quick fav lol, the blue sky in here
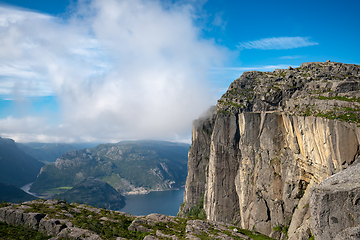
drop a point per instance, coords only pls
(105, 71)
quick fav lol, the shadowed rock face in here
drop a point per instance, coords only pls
(17, 167)
(272, 138)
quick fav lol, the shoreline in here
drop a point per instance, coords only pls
(144, 192)
(26, 189)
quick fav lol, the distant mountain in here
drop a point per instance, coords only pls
(95, 192)
(136, 167)
(17, 167)
(46, 152)
(11, 193)
(49, 152)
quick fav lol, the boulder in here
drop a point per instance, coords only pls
(335, 205)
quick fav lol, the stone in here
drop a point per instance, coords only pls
(150, 237)
(136, 225)
(352, 233)
(77, 233)
(335, 203)
(52, 226)
(162, 235)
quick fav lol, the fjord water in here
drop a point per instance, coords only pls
(164, 202)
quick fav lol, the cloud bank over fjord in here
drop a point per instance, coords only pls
(119, 69)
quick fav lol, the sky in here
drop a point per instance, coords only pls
(113, 70)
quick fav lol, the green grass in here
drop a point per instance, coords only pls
(8, 232)
(252, 234)
(347, 99)
(198, 210)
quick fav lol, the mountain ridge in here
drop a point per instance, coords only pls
(129, 167)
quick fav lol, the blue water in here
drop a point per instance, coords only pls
(166, 202)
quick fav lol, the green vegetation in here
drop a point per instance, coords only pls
(146, 164)
(10, 232)
(198, 210)
(281, 228)
(4, 204)
(225, 112)
(347, 99)
(252, 234)
(95, 192)
(112, 224)
(342, 116)
(203, 236)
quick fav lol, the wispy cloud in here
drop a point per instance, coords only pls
(292, 57)
(278, 43)
(251, 68)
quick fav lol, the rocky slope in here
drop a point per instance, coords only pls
(272, 138)
(77, 221)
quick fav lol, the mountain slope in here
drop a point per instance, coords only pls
(11, 193)
(127, 166)
(16, 167)
(95, 192)
(46, 152)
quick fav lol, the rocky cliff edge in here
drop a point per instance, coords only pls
(258, 157)
(77, 221)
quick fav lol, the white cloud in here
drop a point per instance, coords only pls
(120, 69)
(278, 43)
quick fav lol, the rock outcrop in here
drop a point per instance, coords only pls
(335, 206)
(77, 221)
(273, 137)
(21, 215)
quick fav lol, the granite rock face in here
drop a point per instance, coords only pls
(335, 206)
(273, 137)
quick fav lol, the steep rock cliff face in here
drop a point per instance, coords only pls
(273, 138)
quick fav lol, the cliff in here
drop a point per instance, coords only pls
(272, 139)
